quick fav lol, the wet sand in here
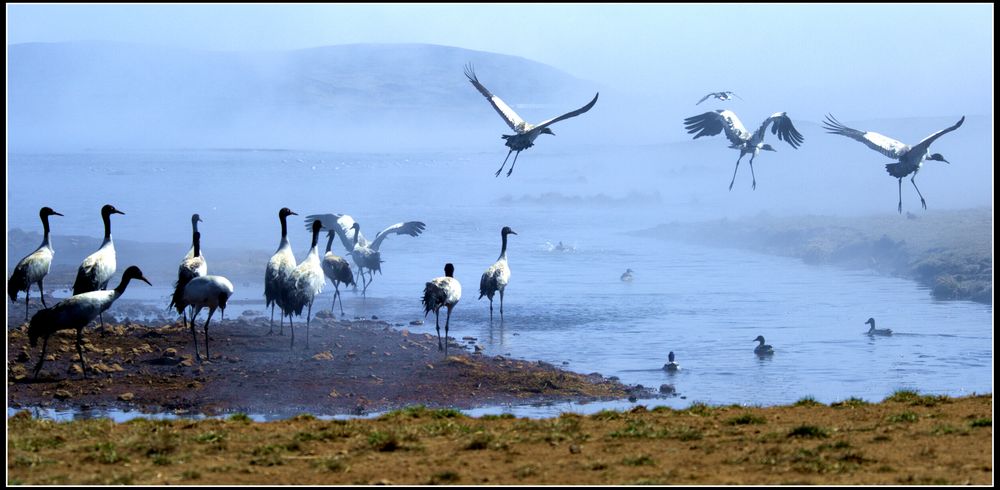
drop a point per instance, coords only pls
(906, 439)
(350, 367)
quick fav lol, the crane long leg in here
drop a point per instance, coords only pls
(208, 357)
(491, 310)
(447, 322)
(734, 171)
(437, 325)
(504, 163)
(308, 321)
(914, 182)
(501, 306)
(41, 293)
(41, 358)
(27, 297)
(512, 164)
(900, 206)
(79, 350)
(754, 186)
(292, 326)
(194, 336)
(270, 330)
(281, 321)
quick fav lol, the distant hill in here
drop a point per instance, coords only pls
(107, 94)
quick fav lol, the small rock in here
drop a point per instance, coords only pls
(51, 357)
(323, 356)
(469, 338)
(63, 394)
(429, 366)
(632, 398)
(334, 394)
(248, 313)
(478, 348)
(667, 389)
(374, 317)
(126, 397)
(574, 449)
(405, 333)
(23, 357)
(171, 352)
(417, 322)
(188, 362)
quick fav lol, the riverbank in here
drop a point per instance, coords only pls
(906, 439)
(949, 252)
(350, 367)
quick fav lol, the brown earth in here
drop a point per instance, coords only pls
(906, 439)
(350, 367)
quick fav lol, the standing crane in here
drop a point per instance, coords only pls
(714, 122)
(525, 132)
(337, 270)
(440, 292)
(206, 292)
(279, 269)
(189, 269)
(34, 267)
(909, 158)
(723, 96)
(495, 278)
(97, 269)
(305, 283)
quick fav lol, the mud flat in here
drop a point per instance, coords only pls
(906, 439)
(350, 367)
(949, 252)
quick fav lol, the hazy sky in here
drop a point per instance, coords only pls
(901, 60)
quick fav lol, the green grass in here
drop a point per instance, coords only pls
(746, 419)
(981, 422)
(851, 402)
(807, 401)
(809, 431)
(641, 460)
(903, 417)
(384, 441)
(239, 417)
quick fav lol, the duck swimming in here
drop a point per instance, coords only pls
(762, 349)
(627, 276)
(671, 365)
(877, 331)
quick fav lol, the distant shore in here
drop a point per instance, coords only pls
(906, 439)
(950, 252)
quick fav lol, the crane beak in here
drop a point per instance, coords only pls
(293, 212)
(117, 212)
(55, 213)
(143, 279)
(512, 232)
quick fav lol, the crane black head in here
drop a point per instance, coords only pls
(547, 131)
(507, 231)
(449, 270)
(47, 211)
(133, 272)
(108, 210)
(195, 218)
(938, 158)
(285, 212)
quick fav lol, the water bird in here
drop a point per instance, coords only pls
(279, 270)
(33, 268)
(206, 292)
(97, 269)
(442, 291)
(337, 270)
(627, 275)
(525, 133)
(365, 254)
(909, 158)
(671, 365)
(75, 313)
(497, 276)
(723, 96)
(762, 349)
(713, 122)
(877, 331)
(190, 268)
(306, 282)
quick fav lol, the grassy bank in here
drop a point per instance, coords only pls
(950, 252)
(907, 438)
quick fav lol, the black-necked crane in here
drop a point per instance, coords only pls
(337, 270)
(723, 96)
(495, 279)
(762, 349)
(444, 291)
(306, 283)
(671, 365)
(75, 313)
(713, 122)
(279, 270)
(195, 218)
(206, 292)
(189, 269)
(909, 158)
(524, 132)
(33, 268)
(366, 255)
(97, 269)
(877, 331)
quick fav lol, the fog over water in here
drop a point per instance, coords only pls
(238, 111)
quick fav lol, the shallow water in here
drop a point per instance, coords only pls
(568, 308)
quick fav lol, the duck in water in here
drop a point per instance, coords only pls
(671, 365)
(627, 276)
(762, 349)
(877, 331)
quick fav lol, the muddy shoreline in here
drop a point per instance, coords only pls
(350, 367)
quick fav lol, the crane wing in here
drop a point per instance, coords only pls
(703, 99)
(782, 127)
(734, 95)
(341, 224)
(878, 142)
(714, 122)
(412, 228)
(926, 142)
(508, 114)
(568, 115)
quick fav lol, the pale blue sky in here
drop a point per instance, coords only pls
(902, 59)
